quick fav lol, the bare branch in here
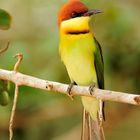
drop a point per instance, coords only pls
(16, 67)
(22, 79)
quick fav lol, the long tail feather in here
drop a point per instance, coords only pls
(91, 129)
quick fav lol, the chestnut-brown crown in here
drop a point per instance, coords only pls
(72, 9)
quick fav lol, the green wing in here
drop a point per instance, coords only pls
(99, 65)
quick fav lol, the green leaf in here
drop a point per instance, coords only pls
(4, 98)
(5, 20)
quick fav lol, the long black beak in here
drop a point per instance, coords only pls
(92, 12)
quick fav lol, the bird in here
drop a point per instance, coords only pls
(82, 56)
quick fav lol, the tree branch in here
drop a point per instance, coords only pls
(22, 79)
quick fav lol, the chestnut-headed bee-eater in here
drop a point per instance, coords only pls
(82, 56)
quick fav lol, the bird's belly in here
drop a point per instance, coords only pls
(80, 67)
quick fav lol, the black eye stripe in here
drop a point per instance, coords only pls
(75, 14)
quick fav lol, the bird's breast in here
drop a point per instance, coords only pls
(77, 53)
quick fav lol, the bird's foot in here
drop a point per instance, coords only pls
(69, 89)
(91, 88)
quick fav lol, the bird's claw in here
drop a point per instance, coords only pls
(91, 88)
(69, 90)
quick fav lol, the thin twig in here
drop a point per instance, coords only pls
(20, 57)
(22, 79)
(5, 48)
(13, 112)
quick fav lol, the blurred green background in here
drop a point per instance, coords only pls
(34, 32)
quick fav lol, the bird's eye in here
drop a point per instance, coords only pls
(74, 14)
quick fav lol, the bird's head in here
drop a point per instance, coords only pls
(74, 16)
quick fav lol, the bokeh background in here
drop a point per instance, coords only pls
(34, 33)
